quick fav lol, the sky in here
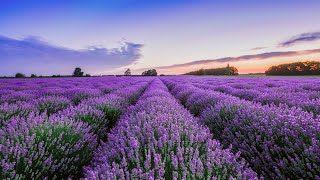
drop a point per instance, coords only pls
(174, 36)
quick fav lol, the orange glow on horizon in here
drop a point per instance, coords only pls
(244, 67)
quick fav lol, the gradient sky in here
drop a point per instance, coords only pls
(175, 36)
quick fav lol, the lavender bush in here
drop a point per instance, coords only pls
(90, 115)
(51, 104)
(37, 147)
(279, 143)
(19, 109)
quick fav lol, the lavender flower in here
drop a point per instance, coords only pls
(51, 104)
(19, 109)
(88, 114)
(38, 147)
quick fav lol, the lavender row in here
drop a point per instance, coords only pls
(77, 89)
(278, 142)
(308, 101)
(101, 113)
(56, 100)
(58, 146)
(299, 92)
(159, 139)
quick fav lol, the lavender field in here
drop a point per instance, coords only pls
(178, 127)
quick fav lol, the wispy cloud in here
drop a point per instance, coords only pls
(301, 38)
(32, 55)
(257, 48)
(262, 56)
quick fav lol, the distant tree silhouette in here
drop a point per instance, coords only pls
(150, 72)
(20, 75)
(231, 71)
(88, 75)
(78, 72)
(295, 68)
(127, 72)
(33, 76)
(228, 71)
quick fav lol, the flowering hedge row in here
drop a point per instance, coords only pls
(159, 139)
(39, 147)
(278, 142)
(51, 138)
(298, 92)
(308, 101)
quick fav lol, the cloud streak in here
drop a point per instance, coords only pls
(262, 56)
(32, 55)
(301, 38)
(258, 48)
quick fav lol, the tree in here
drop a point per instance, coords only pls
(295, 68)
(20, 75)
(88, 75)
(78, 72)
(150, 72)
(229, 70)
(33, 76)
(127, 72)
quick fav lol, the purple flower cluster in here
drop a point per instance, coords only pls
(51, 104)
(303, 93)
(39, 147)
(90, 115)
(19, 109)
(52, 131)
(279, 142)
(78, 94)
(158, 139)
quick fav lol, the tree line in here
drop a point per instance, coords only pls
(76, 73)
(150, 72)
(295, 69)
(229, 70)
(79, 73)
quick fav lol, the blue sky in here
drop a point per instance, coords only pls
(105, 37)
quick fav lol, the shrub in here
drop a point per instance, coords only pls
(278, 142)
(87, 114)
(37, 148)
(79, 94)
(51, 104)
(17, 96)
(200, 100)
(111, 105)
(20, 109)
